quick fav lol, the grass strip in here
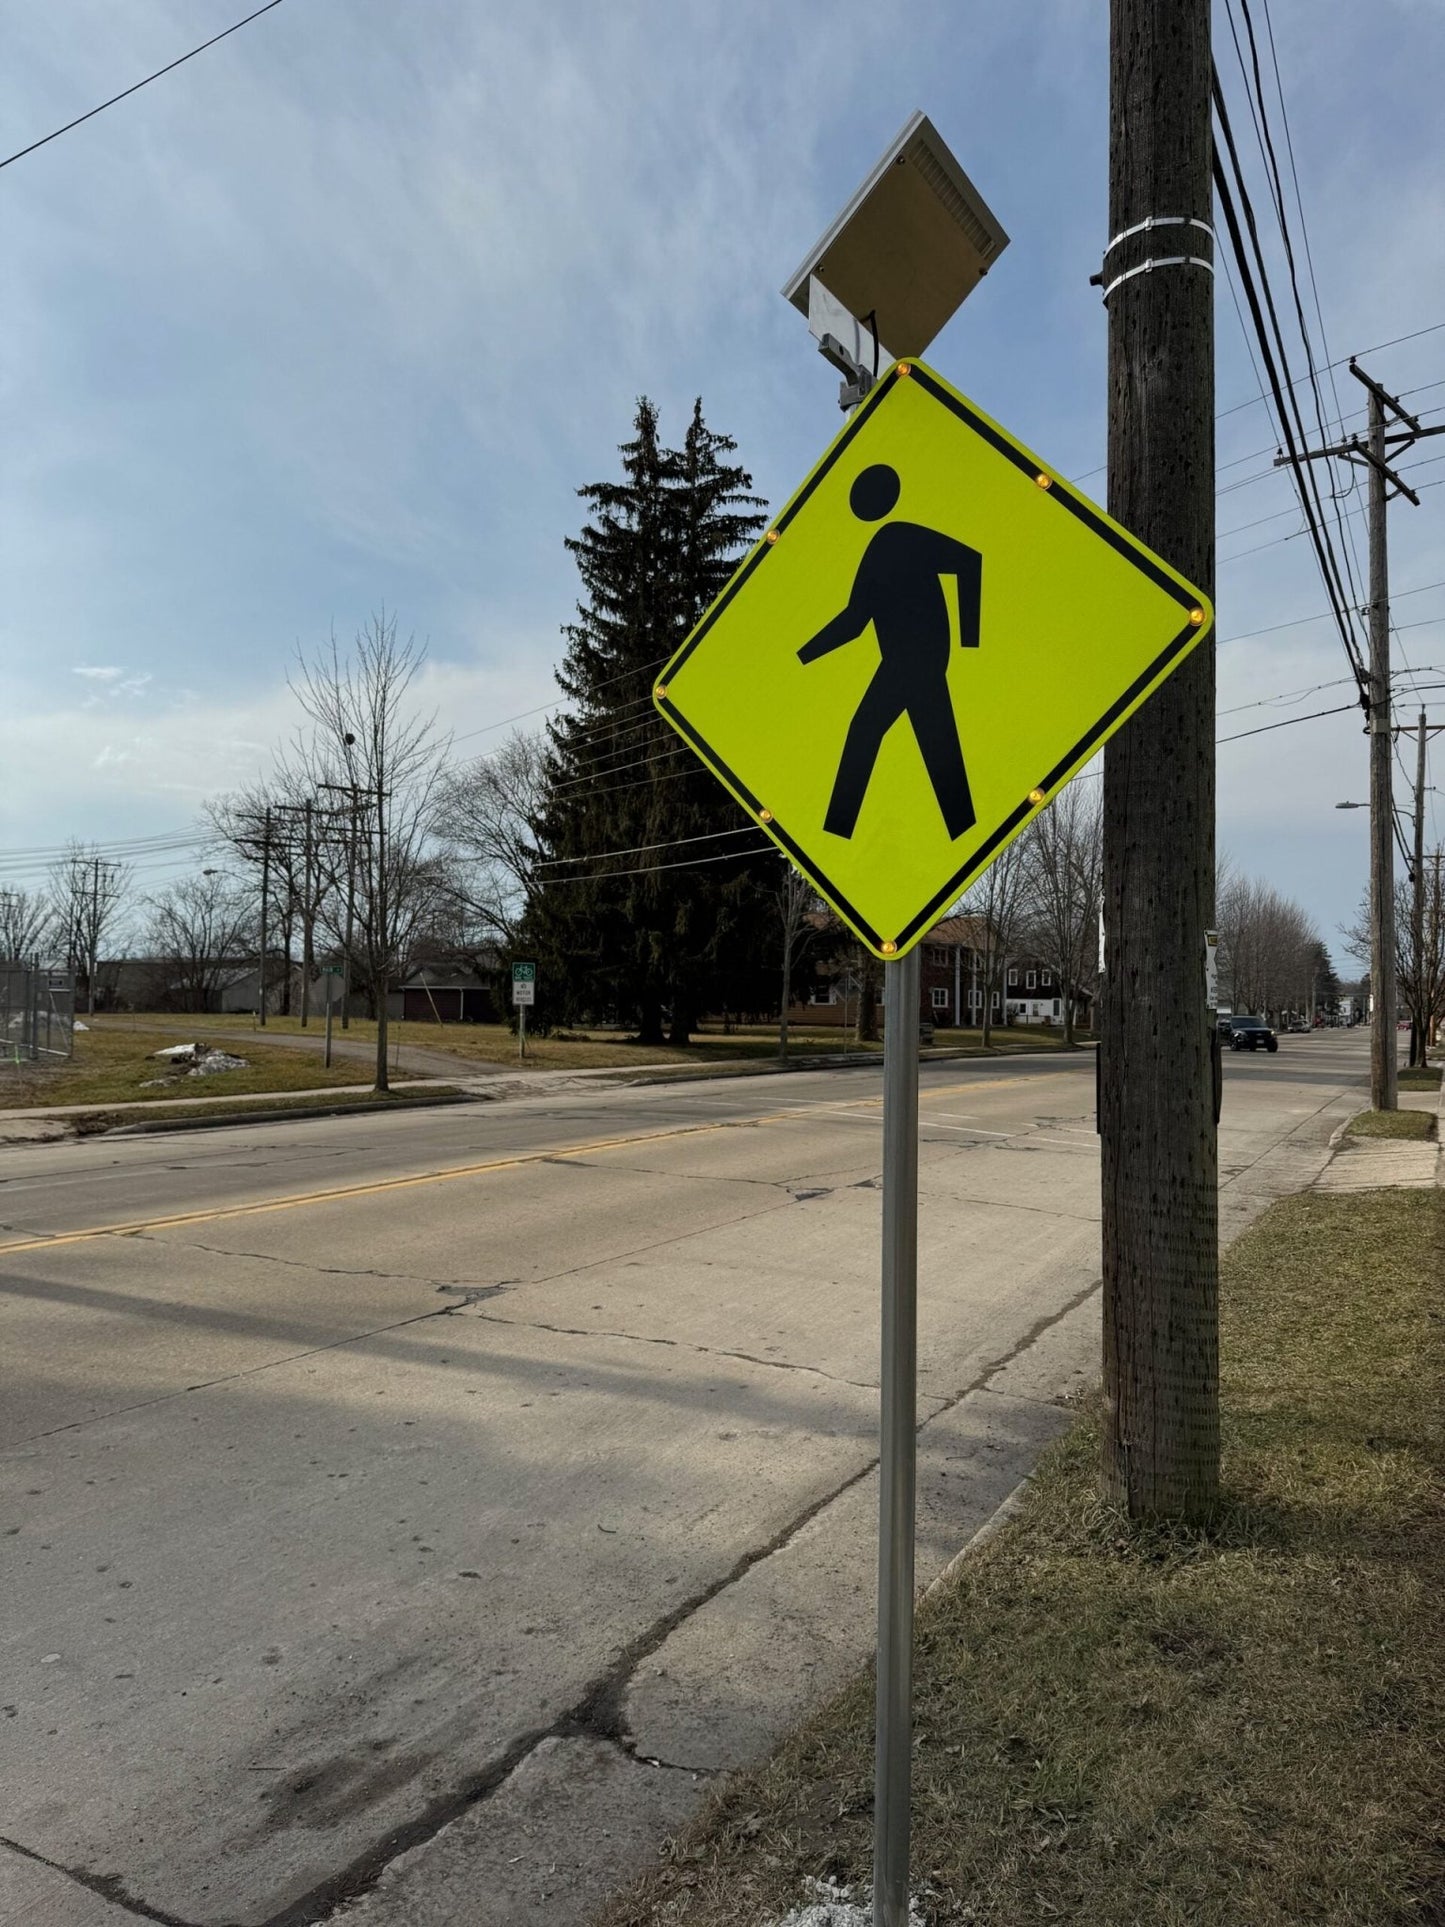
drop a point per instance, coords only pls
(1212, 1727)
(90, 1123)
(495, 1045)
(114, 1066)
(1418, 1125)
(1420, 1077)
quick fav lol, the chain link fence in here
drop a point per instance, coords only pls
(37, 1014)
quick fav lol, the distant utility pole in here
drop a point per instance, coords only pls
(1376, 453)
(265, 894)
(1156, 1097)
(308, 903)
(1417, 919)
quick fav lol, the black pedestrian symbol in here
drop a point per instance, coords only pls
(898, 589)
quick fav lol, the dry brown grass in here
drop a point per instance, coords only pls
(1238, 1727)
(1417, 1125)
(115, 1066)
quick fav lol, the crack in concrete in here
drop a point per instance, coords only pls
(107, 1886)
(598, 1713)
(233, 1378)
(306, 1264)
(675, 1344)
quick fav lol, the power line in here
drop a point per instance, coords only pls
(637, 849)
(125, 93)
(1308, 488)
(1343, 709)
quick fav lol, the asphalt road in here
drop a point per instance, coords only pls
(348, 1464)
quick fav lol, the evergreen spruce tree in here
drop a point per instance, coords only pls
(627, 919)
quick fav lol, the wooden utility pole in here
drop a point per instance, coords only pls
(308, 906)
(1376, 453)
(1384, 1048)
(265, 906)
(1419, 1021)
(1156, 1108)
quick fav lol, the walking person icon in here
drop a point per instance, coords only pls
(898, 588)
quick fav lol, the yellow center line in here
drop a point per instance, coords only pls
(379, 1186)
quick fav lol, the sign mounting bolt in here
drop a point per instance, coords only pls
(1036, 796)
(772, 537)
(1196, 616)
(888, 948)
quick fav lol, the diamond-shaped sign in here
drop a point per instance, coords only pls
(936, 634)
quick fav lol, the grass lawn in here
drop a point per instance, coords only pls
(92, 1122)
(114, 1065)
(591, 1048)
(1424, 1077)
(1237, 1727)
(1407, 1124)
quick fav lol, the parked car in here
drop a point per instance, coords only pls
(1251, 1033)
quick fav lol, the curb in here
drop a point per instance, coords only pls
(831, 1061)
(297, 1114)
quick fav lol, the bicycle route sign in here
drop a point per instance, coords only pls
(524, 983)
(933, 637)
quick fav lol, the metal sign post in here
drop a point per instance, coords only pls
(898, 1426)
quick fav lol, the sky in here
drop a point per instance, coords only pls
(342, 313)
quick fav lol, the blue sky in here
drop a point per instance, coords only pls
(344, 311)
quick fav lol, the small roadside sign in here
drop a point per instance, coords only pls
(936, 633)
(524, 984)
(333, 970)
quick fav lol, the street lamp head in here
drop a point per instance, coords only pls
(1352, 806)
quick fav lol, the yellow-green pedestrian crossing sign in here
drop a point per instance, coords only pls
(936, 634)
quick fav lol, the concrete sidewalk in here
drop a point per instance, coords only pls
(1372, 1164)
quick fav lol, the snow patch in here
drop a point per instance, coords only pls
(834, 1906)
(202, 1059)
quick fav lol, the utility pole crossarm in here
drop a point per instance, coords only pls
(1353, 450)
(1384, 397)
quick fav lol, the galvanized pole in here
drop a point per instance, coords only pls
(899, 1445)
(1384, 1077)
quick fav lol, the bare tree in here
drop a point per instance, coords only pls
(797, 903)
(27, 923)
(393, 764)
(198, 932)
(997, 902)
(1063, 880)
(485, 814)
(1270, 948)
(88, 893)
(1419, 963)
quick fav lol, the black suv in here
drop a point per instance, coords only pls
(1251, 1033)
